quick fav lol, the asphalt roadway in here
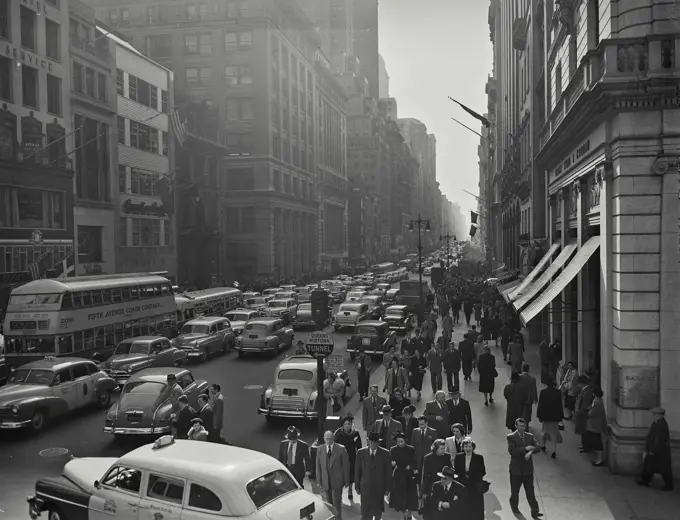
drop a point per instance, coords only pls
(24, 457)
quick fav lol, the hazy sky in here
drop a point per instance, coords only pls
(434, 49)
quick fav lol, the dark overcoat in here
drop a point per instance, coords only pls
(658, 448)
(372, 480)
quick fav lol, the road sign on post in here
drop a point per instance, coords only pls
(335, 363)
(320, 344)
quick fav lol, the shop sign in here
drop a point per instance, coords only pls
(571, 160)
(27, 57)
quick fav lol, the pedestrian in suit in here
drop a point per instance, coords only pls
(395, 377)
(217, 405)
(363, 364)
(521, 447)
(470, 468)
(528, 391)
(422, 439)
(449, 497)
(408, 423)
(294, 453)
(657, 454)
(182, 420)
(370, 410)
(197, 431)
(516, 352)
(459, 411)
(332, 470)
(372, 479)
(467, 357)
(451, 361)
(206, 414)
(437, 413)
(387, 428)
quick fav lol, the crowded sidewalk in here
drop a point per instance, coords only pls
(567, 488)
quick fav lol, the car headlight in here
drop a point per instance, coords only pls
(15, 410)
(129, 370)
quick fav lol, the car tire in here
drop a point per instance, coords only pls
(104, 399)
(38, 421)
(204, 356)
(55, 514)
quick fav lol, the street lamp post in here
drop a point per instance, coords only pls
(424, 225)
(447, 237)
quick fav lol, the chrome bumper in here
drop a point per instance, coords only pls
(137, 431)
(14, 425)
(35, 507)
(287, 413)
(251, 348)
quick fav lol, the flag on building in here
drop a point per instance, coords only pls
(66, 267)
(474, 114)
(179, 123)
(473, 216)
(38, 268)
(473, 230)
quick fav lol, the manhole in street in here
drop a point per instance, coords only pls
(53, 452)
(253, 387)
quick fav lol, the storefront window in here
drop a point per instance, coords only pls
(30, 208)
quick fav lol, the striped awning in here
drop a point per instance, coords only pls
(517, 291)
(507, 288)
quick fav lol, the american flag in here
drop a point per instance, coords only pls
(179, 123)
(37, 268)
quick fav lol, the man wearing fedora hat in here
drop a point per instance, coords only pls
(657, 454)
(294, 453)
(387, 427)
(447, 500)
(372, 475)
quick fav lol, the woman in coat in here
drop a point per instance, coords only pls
(584, 400)
(454, 444)
(569, 388)
(351, 440)
(404, 494)
(478, 313)
(398, 402)
(596, 428)
(470, 469)
(515, 402)
(433, 463)
(396, 377)
(478, 347)
(418, 369)
(549, 412)
(486, 366)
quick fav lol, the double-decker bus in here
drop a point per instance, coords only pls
(382, 268)
(85, 316)
(206, 302)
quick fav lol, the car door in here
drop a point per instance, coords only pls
(84, 384)
(214, 337)
(188, 384)
(117, 494)
(162, 494)
(65, 387)
(164, 356)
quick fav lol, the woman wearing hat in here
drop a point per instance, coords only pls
(404, 495)
(351, 440)
(433, 464)
(471, 470)
(408, 422)
(398, 402)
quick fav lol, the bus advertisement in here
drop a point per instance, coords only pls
(207, 302)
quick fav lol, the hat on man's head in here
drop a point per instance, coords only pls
(657, 410)
(409, 409)
(399, 435)
(455, 390)
(292, 433)
(386, 409)
(447, 471)
(373, 436)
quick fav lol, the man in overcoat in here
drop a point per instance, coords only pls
(294, 453)
(437, 413)
(332, 470)
(521, 447)
(387, 427)
(448, 497)
(373, 472)
(372, 408)
(422, 439)
(657, 454)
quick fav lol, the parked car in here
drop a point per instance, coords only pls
(146, 402)
(376, 305)
(305, 318)
(349, 314)
(255, 303)
(355, 296)
(239, 317)
(3, 364)
(40, 391)
(294, 390)
(285, 309)
(172, 479)
(399, 318)
(204, 336)
(373, 337)
(264, 335)
(393, 297)
(135, 354)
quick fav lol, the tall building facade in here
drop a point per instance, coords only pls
(145, 229)
(609, 161)
(415, 136)
(365, 38)
(95, 158)
(383, 79)
(36, 145)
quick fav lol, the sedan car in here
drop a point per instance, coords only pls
(355, 296)
(43, 390)
(349, 314)
(264, 335)
(285, 309)
(134, 354)
(204, 336)
(172, 479)
(305, 317)
(294, 391)
(399, 318)
(239, 317)
(147, 402)
(376, 305)
(270, 292)
(393, 297)
(373, 337)
(255, 303)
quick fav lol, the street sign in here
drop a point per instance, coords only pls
(320, 344)
(335, 363)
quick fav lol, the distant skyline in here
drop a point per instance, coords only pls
(434, 49)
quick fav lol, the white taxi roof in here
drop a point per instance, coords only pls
(223, 469)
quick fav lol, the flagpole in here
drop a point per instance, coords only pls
(471, 130)
(474, 114)
(50, 144)
(76, 149)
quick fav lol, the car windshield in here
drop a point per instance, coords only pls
(350, 308)
(31, 377)
(255, 301)
(277, 303)
(144, 387)
(195, 328)
(135, 347)
(237, 316)
(269, 487)
(393, 313)
(305, 307)
(367, 331)
(355, 295)
(257, 327)
(295, 374)
(268, 292)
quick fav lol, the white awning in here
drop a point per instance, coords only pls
(517, 291)
(569, 273)
(530, 292)
(507, 288)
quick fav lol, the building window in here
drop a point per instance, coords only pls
(199, 77)
(238, 41)
(151, 15)
(77, 77)
(167, 233)
(143, 183)
(121, 130)
(113, 17)
(276, 175)
(125, 16)
(89, 244)
(156, 232)
(198, 44)
(191, 12)
(143, 137)
(166, 143)
(29, 86)
(142, 92)
(239, 144)
(52, 40)
(31, 208)
(136, 231)
(28, 19)
(4, 19)
(239, 110)
(238, 75)
(277, 146)
(53, 95)
(122, 229)
(241, 179)
(122, 178)
(89, 82)
(164, 101)
(120, 82)
(6, 78)
(102, 87)
(159, 46)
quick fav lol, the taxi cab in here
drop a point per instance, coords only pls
(177, 479)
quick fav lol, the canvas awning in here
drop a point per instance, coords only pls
(566, 276)
(517, 291)
(530, 292)
(507, 288)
